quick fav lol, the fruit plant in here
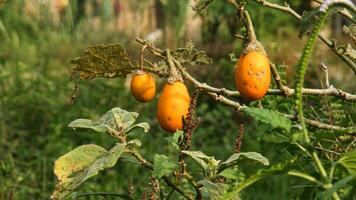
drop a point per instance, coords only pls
(331, 174)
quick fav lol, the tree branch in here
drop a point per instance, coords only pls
(219, 94)
(289, 10)
(286, 91)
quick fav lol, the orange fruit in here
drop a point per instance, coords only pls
(173, 104)
(143, 87)
(252, 75)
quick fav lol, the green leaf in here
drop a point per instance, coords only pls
(249, 155)
(233, 174)
(191, 55)
(135, 142)
(163, 165)
(103, 61)
(117, 119)
(82, 163)
(270, 117)
(212, 191)
(201, 6)
(88, 124)
(208, 163)
(348, 161)
(174, 140)
(308, 22)
(144, 125)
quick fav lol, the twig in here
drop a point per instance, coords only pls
(345, 13)
(286, 91)
(351, 130)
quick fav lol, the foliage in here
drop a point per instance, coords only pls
(34, 93)
(270, 117)
(80, 164)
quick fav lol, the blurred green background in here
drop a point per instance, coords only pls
(38, 38)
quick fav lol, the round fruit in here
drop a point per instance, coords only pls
(252, 75)
(143, 87)
(173, 104)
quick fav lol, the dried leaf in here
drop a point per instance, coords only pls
(191, 55)
(103, 61)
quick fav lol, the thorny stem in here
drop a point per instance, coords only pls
(239, 138)
(149, 166)
(194, 184)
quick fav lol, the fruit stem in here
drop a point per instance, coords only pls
(249, 26)
(141, 56)
(174, 74)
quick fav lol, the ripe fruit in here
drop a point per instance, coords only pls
(143, 87)
(252, 75)
(173, 104)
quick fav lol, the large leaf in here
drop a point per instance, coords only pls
(117, 119)
(249, 155)
(103, 61)
(270, 117)
(82, 163)
(88, 124)
(348, 161)
(233, 174)
(213, 191)
(163, 165)
(208, 163)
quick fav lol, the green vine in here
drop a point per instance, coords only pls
(308, 49)
(324, 12)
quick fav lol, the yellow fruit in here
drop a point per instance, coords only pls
(173, 104)
(252, 75)
(143, 87)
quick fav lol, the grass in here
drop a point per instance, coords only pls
(35, 90)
